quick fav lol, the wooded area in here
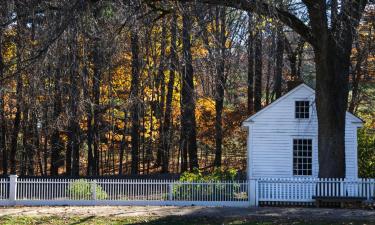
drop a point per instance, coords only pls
(140, 87)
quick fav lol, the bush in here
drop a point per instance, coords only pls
(204, 191)
(366, 153)
(81, 189)
(217, 175)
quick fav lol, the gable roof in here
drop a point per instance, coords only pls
(303, 85)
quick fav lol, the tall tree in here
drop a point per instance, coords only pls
(258, 67)
(168, 104)
(188, 122)
(3, 127)
(160, 85)
(56, 143)
(250, 66)
(17, 119)
(220, 81)
(135, 106)
(73, 154)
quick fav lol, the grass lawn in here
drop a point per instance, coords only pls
(151, 221)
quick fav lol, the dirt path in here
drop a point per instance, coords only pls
(309, 214)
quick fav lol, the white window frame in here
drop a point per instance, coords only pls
(294, 108)
(313, 155)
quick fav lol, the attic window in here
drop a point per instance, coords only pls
(302, 109)
(302, 157)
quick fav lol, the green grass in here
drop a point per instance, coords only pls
(20, 220)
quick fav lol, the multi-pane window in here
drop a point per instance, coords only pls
(302, 157)
(302, 109)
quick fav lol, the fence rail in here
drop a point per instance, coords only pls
(65, 191)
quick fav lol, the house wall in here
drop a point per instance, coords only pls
(270, 137)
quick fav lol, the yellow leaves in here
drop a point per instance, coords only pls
(205, 109)
(121, 78)
(199, 51)
(9, 52)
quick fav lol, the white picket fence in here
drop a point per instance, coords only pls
(303, 189)
(4, 189)
(47, 191)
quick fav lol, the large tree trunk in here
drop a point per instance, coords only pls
(250, 67)
(3, 127)
(220, 83)
(20, 27)
(332, 49)
(74, 128)
(25, 137)
(56, 143)
(188, 122)
(97, 59)
(258, 70)
(168, 103)
(331, 101)
(135, 107)
(17, 121)
(90, 122)
(160, 85)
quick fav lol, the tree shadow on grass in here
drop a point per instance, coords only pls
(83, 220)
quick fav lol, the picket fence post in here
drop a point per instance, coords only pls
(13, 189)
(170, 191)
(252, 192)
(93, 190)
(342, 188)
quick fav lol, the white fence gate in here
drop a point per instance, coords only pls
(47, 191)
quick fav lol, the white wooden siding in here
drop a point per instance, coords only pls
(272, 130)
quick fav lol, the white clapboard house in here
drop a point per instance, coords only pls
(282, 138)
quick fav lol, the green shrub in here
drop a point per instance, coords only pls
(217, 175)
(186, 191)
(81, 189)
(366, 152)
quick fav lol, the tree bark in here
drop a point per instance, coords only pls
(56, 143)
(135, 107)
(74, 128)
(220, 83)
(168, 103)
(250, 67)
(97, 59)
(258, 70)
(17, 118)
(3, 127)
(161, 86)
(332, 58)
(188, 122)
